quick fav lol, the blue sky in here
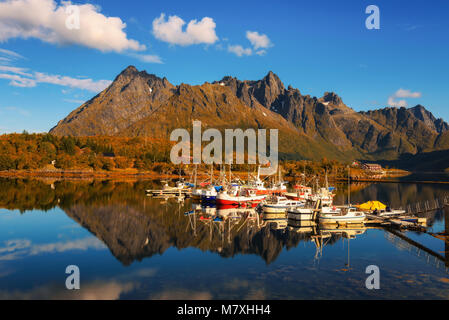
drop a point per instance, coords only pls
(47, 70)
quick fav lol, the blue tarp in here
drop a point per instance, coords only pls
(218, 188)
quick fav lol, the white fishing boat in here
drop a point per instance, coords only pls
(210, 194)
(345, 215)
(196, 194)
(388, 212)
(280, 204)
(180, 188)
(300, 213)
(325, 195)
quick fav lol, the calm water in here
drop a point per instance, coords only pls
(129, 246)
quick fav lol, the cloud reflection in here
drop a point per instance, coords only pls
(97, 290)
(19, 248)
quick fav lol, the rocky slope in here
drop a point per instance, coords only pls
(140, 104)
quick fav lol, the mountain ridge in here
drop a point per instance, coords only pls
(141, 104)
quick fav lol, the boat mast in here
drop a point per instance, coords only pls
(327, 183)
(196, 171)
(349, 186)
(230, 173)
(211, 173)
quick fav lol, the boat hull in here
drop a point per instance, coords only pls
(208, 198)
(301, 215)
(342, 220)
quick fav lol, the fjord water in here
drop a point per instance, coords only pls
(129, 246)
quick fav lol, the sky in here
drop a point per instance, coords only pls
(55, 55)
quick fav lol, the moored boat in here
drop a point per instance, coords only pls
(242, 198)
(301, 214)
(210, 194)
(280, 204)
(345, 215)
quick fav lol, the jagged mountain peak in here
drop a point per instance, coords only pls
(333, 98)
(139, 103)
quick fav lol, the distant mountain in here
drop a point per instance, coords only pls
(141, 104)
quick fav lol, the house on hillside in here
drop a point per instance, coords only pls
(372, 167)
(355, 164)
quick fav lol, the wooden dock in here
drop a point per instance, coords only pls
(428, 206)
(169, 192)
(400, 222)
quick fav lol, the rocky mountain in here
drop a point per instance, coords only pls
(141, 104)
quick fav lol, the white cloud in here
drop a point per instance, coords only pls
(20, 71)
(11, 54)
(393, 103)
(197, 32)
(402, 94)
(147, 58)
(85, 84)
(240, 51)
(258, 41)
(20, 78)
(18, 81)
(46, 20)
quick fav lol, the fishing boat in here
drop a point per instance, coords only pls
(257, 185)
(280, 204)
(210, 194)
(278, 187)
(345, 215)
(388, 212)
(302, 193)
(196, 194)
(180, 188)
(300, 214)
(342, 215)
(243, 198)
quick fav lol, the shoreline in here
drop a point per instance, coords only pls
(151, 175)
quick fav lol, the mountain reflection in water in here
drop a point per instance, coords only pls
(137, 229)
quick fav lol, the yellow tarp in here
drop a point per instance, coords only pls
(372, 205)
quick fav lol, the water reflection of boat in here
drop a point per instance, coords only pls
(349, 231)
(275, 220)
(342, 215)
(301, 226)
(273, 216)
(232, 212)
(277, 224)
